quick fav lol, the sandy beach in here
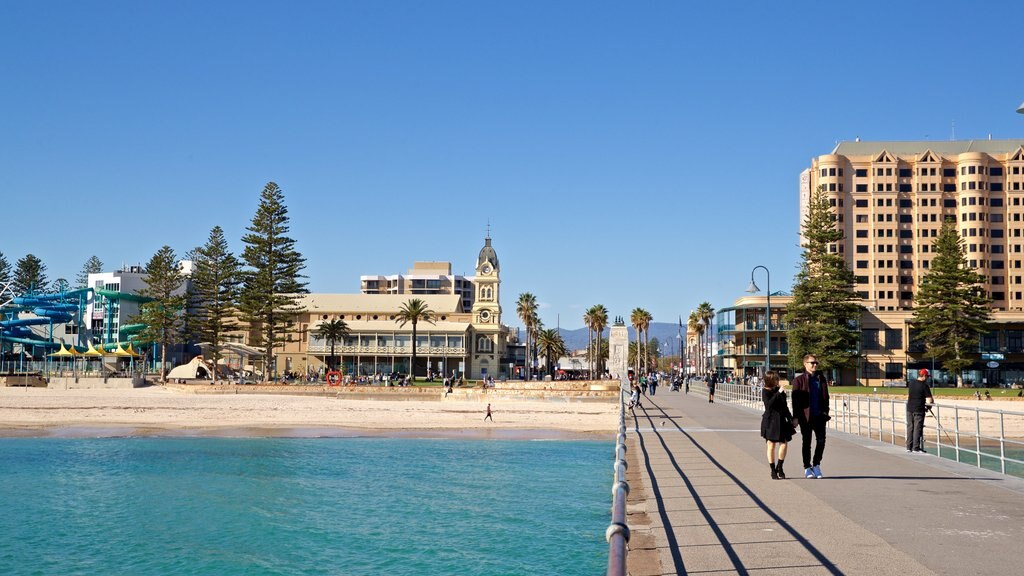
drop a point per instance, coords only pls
(162, 411)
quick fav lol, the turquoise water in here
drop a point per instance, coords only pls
(303, 506)
(989, 458)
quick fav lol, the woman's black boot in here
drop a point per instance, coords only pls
(775, 472)
(778, 470)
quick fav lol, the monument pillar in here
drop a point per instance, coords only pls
(618, 349)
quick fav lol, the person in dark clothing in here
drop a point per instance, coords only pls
(918, 392)
(810, 408)
(776, 424)
(712, 381)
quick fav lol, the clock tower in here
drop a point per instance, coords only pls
(487, 344)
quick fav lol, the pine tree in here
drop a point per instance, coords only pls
(30, 274)
(92, 266)
(824, 312)
(951, 309)
(163, 314)
(272, 282)
(216, 276)
(5, 270)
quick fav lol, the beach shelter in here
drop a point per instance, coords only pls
(64, 352)
(91, 353)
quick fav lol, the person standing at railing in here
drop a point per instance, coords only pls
(776, 424)
(810, 408)
(918, 392)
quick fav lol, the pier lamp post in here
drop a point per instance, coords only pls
(753, 289)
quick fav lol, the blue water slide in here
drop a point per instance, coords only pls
(24, 322)
(29, 341)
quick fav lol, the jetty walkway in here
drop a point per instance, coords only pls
(702, 502)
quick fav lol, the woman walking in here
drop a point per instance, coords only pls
(776, 424)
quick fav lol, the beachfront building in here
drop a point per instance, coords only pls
(741, 333)
(890, 199)
(424, 279)
(467, 340)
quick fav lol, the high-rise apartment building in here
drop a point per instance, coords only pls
(891, 198)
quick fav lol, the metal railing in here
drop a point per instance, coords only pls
(981, 437)
(617, 533)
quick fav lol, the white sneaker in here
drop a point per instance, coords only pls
(808, 472)
(817, 471)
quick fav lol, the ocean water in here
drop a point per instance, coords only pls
(303, 506)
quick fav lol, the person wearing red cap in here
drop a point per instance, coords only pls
(917, 392)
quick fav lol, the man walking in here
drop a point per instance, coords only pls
(488, 417)
(810, 409)
(917, 391)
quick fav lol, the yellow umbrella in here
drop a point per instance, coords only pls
(64, 351)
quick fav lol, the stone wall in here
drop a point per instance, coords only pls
(584, 391)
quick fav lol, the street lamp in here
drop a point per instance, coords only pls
(753, 289)
(682, 360)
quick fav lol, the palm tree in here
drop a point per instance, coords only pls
(526, 309)
(635, 320)
(694, 324)
(706, 314)
(588, 321)
(332, 332)
(600, 322)
(552, 345)
(414, 311)
(645, 326)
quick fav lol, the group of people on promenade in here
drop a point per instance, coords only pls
(809, 414)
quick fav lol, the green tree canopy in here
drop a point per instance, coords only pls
(216, 276)
(824, 313)
(332, 331)
(30, 274)
(272, 278)
(163, 315)
(951, 310)
(414, 311)
(92, 266)
(526, 309)
(552, 346)
(5, 270)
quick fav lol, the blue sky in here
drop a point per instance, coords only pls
(625, 153)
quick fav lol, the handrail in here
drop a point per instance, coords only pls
(617, 533)
(968, 434)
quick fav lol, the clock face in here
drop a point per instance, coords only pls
(486, 269)
(485, 315)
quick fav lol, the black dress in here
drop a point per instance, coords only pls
(777, 421)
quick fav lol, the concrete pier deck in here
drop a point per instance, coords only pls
(702, 502)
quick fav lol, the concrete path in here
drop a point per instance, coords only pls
(702, 502)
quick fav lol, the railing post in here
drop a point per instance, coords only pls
(956, 431)
(977, 435)
(1002, 444)
(617, 534)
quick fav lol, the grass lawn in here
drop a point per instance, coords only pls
(997, 393)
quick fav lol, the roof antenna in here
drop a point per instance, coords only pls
(488, 227)
(953, 128)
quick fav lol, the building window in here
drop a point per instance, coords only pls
(869, 338)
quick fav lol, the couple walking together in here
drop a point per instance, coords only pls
(778, 424)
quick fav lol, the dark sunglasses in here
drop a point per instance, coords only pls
(815, 363)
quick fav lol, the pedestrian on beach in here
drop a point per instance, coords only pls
(488, 417)
(810, 407)
(776, 424)
(917, 392)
